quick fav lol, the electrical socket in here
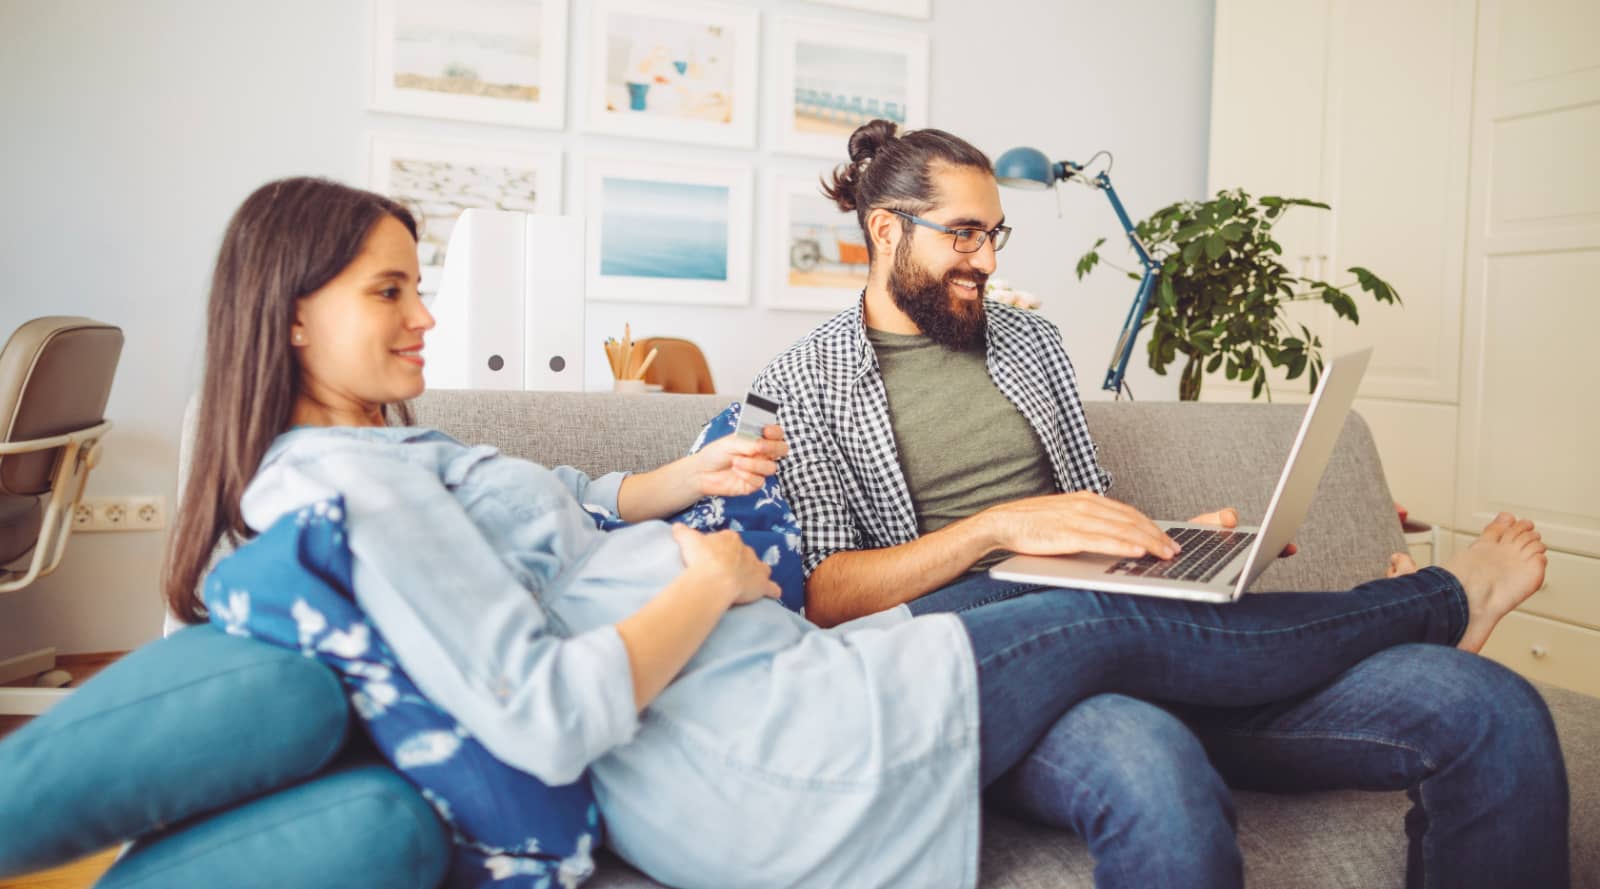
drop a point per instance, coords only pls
(147, 513)
(120, 514)
(112, 515)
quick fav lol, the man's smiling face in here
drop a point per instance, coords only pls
(940, 290)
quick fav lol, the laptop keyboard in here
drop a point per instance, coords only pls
(1205, 552)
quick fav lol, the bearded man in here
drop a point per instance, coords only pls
(932, 431)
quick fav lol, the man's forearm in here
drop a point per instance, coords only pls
(853, 583)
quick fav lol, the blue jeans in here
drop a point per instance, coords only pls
(1279, 693)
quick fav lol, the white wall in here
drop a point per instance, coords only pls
(132, 130)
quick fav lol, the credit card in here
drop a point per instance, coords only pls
(758, 412)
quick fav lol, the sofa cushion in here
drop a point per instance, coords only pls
(152, 740)
(292, 586)
(300, 836)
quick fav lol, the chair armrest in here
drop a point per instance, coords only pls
(80, 455)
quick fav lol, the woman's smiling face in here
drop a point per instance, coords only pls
(359, 337)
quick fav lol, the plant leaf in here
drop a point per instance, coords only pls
(1086, 263)
(1215, 247)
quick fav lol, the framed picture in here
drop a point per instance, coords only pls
(669, 233)
(437, 180)
(911, 9)
(678, 71)
(815, 258)
(832, 79)
(499, 62)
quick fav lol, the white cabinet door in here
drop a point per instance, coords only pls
(1530, 407)
(1268, 80)
(1399, 121)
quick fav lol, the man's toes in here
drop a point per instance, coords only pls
(1401, 563)
(1498, 526)
(1520, 535)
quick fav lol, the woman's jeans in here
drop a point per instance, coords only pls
(1125, 718)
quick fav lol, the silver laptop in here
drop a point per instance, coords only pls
(1218, 565)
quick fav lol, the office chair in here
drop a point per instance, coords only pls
(55, 379)
(679, 366)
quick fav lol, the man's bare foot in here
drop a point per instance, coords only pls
(1500, 570)
(1401, 563)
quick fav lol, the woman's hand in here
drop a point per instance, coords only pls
(723, 561)
(728, 467)
(732, 466)
(720, 572)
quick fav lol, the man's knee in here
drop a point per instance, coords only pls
(1481, 708)
(1137, 759)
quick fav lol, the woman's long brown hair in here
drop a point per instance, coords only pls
(285, 242)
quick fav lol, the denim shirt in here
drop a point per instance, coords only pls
(782, 754)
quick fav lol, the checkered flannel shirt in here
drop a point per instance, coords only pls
(843, 475)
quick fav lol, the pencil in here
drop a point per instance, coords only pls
(639, 374)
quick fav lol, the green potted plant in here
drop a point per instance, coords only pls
(1221, 292)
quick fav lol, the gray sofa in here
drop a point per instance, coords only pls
(1170, 460)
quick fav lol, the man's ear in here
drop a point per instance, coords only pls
(884, 230)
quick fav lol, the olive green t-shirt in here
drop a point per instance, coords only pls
(963, 445)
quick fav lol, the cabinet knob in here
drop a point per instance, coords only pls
(1539, 650)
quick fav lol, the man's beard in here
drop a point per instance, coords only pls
(948, 320)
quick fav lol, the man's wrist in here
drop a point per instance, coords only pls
(987, 531)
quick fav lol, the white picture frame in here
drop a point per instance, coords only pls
(436, 181)
(489, 62)
(695, 70)
(663, 232)
(833, 78)
(911, 9)
(814, 258)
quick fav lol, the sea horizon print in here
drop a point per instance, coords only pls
(653, 229)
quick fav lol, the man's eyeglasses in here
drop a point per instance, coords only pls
(967, 240)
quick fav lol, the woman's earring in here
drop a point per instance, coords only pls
(298, 338)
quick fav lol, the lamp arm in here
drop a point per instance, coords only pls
(1141, 301)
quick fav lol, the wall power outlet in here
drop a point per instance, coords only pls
(138, 513)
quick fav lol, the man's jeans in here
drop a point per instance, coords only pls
(1281, 693)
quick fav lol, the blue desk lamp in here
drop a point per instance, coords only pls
(1031, 168)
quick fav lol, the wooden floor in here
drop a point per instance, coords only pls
(80, 874)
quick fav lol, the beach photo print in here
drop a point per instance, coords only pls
(436, 181)
(684, 72)
(672, 233)
(815, 258)
(832, 79)
(499, 62)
